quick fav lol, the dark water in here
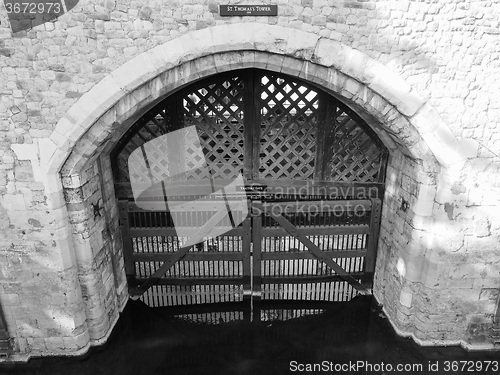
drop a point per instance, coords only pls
(339, 338)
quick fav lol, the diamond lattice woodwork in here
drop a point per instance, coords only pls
(263, 125)
(351, 154)
(216, 110)
(289, 119)
(160, 120)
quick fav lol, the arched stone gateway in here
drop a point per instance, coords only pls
(424, 183)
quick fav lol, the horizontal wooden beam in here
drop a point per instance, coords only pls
(238, 204)
(307, 279)
(318, 231)
(171, 232)
(285, 255)
(315, 207)
(238, 256)
(196, 281)
(201, 256)
(279, 187)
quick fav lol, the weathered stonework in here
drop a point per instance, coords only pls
(424, 75)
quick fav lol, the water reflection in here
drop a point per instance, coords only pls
(270, 339)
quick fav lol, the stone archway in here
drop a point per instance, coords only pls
(76, 157)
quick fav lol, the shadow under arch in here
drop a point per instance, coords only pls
(418, 140)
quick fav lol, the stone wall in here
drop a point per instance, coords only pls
(423, 74)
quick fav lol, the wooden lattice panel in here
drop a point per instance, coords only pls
(351, 154)
(216, 110)
(289, 119)
(260, 124)
(158, 121)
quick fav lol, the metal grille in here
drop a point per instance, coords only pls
(289, 119)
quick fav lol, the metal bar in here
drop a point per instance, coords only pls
(324, 257)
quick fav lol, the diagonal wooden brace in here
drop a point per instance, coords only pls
(318, 253)
(154, 278)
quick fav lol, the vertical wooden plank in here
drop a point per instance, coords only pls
(127, 241)
(371, 248)
(255, 120)
(5, 348)
(249, 124)
(384, 158)
(257, 249)
(321, 132)
(327, 136)
(247, 258)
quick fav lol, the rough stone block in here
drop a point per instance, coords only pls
(167, 55)
(466, 148)
(54, 344)
(420, 222)
(37, 344)
(327, 52)
(25, 151)
(426, 193)
(423, 208)
(132, 74)
(83, 250)
(99, 330)
(274, 62)
(391, 87)
(72, 181)
(65, 245)
(300, 44)
(234, 37)
(353, 87)
(78, 342)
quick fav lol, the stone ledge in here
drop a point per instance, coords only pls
(462, 343)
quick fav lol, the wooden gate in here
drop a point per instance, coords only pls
(313, 182)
